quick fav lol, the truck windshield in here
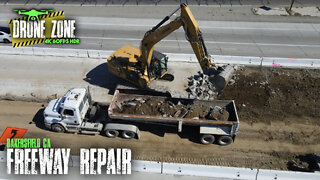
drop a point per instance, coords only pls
(84, 101)
(81, 107)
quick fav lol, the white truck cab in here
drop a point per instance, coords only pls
(73, 113)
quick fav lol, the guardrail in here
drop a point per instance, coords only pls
(204, 171)
(218, 59)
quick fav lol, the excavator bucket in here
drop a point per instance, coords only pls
(223, 77)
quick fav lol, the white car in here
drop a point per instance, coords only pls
(5, 37)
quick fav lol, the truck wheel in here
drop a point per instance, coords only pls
(111, 133)
(207, 139)
(128, 134)
(225, 140)
(57, 128)
(6, 41)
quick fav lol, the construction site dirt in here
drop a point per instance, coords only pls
(272, 94)
(279, 125)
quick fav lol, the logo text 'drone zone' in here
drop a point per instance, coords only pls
(42, 26)
(36, 29)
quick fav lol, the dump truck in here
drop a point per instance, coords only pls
(75, 112)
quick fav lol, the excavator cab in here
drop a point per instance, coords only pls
(158, 66)
(126, 64)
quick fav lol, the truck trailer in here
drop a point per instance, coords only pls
(75, 112)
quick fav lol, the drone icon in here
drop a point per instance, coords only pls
(33, 14)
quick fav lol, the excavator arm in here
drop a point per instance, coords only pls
(193, 35)
(140, 66)
(153, 37)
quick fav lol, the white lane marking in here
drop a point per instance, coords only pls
(211, 42)
(204, 27)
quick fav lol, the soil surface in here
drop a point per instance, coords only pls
(279, 126)
(271, 94)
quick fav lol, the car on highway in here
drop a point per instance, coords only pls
(5, 35)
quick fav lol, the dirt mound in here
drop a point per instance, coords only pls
(272, 94)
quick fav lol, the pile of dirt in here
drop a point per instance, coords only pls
(177, 109)
(273, 94)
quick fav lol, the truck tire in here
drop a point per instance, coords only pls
(207, 139)
(58, 128)
(128, 134)
(6, 41)
(225, 140)
(112, 133)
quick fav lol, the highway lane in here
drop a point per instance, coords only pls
(296, 40)
(244, 38)
(221, 37)
(265, 39)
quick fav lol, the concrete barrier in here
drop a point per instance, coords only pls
(147, 166)
(242, 60)
(218, 59)
(203, 170)
(3, 157)
(286, 175)
(291, 62)
(209, 171)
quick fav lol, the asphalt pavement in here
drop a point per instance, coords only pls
(226, 30)
(262, 39)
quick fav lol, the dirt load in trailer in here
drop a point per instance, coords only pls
(217, 120)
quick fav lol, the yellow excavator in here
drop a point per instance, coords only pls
(140, 66)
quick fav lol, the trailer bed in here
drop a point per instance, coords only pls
(120, 98)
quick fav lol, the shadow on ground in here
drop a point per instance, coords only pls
(38, 119)
(304, 163)
(2, 147)
(188, 132)
(100, 76)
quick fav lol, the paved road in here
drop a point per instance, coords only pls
(107, 29)
(221, 37)
(265, 39)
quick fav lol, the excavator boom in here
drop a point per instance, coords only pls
(193, 35)
(139, 66)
